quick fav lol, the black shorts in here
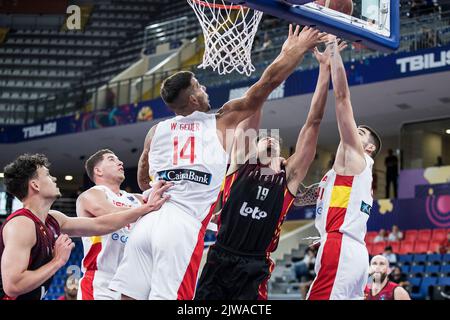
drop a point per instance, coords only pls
(228, 276)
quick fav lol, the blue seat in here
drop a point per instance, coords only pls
(445, 281)
(446, 257)
(415, 284)
(432, 269)
(435, 257)
(405, 258)
(423, 291)
(417, 269)
(445, 268)
(420, 258)
(405, 269)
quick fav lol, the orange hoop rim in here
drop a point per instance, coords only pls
(218, 6)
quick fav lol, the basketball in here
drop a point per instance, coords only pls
(344, 6)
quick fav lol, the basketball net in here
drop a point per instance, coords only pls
(306, 196)
(229, 31)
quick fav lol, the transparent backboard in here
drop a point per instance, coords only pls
(374, 23)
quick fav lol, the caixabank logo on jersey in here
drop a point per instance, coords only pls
(185, 174)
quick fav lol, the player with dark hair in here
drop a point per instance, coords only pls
(381, 288)
(163, 253)
(34, 240)
(344, 201)
(256, 198)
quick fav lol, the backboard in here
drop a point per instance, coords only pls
(373, 23)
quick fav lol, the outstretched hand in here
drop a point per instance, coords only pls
(324, 57)
(300, 42)
(155, 197)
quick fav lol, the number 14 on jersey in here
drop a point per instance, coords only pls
(187, 152)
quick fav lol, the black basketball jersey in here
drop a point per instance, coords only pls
(254, 207)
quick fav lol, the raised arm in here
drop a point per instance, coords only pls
(350, 152)
(19, 237)
(292, 53)
(143, 165)
(305, 149)
(104, 224)
(94, 203)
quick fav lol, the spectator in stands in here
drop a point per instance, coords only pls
(381, 236)
(400, 278)
(374, 183)
(439, 162)
(390, 255)
(304, 271)
(391, 164)
(395, 234)
(267, 42)
(70, 289)
(303, 267)
(444, 247)
(428, 39)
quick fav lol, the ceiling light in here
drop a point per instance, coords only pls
(68, 178)
(2, 175)
(447, 131)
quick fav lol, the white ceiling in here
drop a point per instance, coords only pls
(373, 104)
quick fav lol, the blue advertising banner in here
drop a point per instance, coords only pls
(359, 72)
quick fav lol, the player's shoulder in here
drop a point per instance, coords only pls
(91, 194)
(20, 228)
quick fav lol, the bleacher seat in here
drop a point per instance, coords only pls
(395, 246)
(421, 246)
(410, 235)
(417, 271)
(434, 246)
(420, 259)
(439, 234)
(445, 269)
(432, 270)
(415, 284)
(424, 287)
(370, 236)
(446, 258)
(406, 247)
(405, 269)
(369, 247)
(378, 247)
(424, 235)
(444, 281)
(434, 258)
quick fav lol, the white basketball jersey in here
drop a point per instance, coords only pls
(104, 253)
(187, 151)
(344, 203)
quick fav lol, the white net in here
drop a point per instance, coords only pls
(306, 196)
(229, 31)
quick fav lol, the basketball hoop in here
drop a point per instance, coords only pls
(306, 196)
(229, 31)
